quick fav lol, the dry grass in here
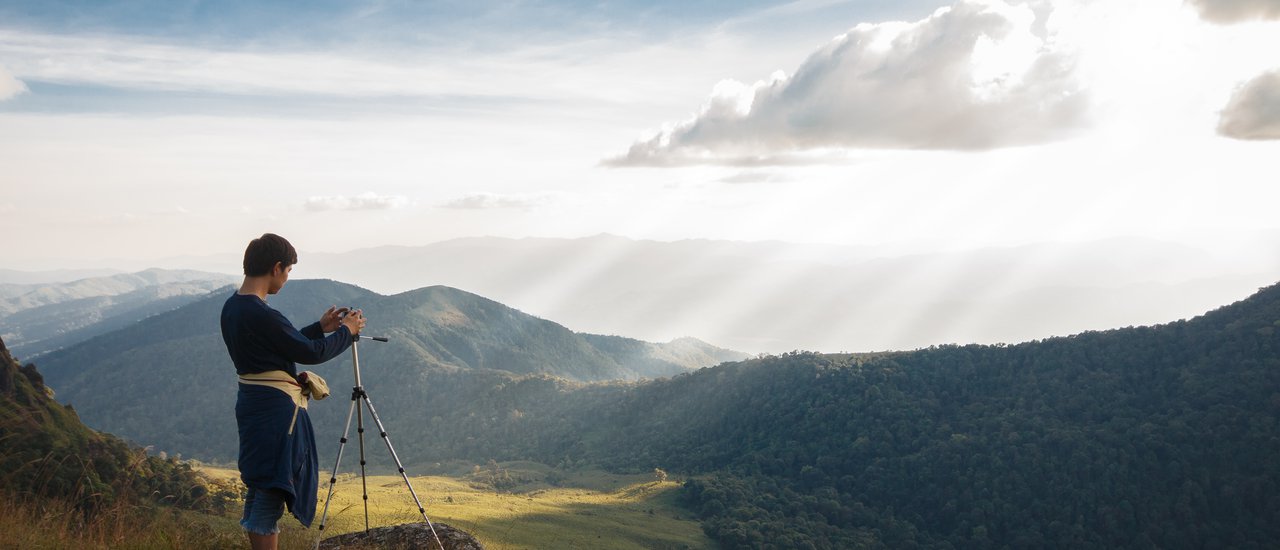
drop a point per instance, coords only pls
(57, 525)
(589, 510)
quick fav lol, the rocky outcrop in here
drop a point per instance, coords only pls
(408, 536)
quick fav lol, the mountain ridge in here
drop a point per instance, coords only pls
(154, 360)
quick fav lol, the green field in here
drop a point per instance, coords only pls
(584, 509)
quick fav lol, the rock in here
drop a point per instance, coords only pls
(408, 536)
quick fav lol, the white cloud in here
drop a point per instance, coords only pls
(1254, 110)
(1235, 11)
(10, 86)
(364, 201)
(755, 177)
(488, 201)
(975, 75)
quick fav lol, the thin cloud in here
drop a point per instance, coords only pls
(1236, 11)
(9, 85)
(1253, 112)
(364, 201)
(972, 76)
(490, 201)
(755, 177)
(437, 73)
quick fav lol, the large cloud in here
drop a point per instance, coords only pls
(10, 86)
(1235, 11)
(1254, 110)
(975, 75)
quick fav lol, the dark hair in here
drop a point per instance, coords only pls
(263, 252)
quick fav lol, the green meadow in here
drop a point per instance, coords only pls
(538, 507)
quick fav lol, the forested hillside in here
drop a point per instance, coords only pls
(49, 455)
(1162, 437)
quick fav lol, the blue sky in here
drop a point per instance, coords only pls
(192, 126)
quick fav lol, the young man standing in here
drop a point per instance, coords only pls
(277, 447)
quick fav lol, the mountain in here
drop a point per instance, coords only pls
(42, 329)
(11, 277)
(22, 297)
(153, 367)
(775, 297)
(38, 318)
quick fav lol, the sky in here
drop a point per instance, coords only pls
(143, 129)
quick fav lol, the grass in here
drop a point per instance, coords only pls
(56, 525)
(586, 509)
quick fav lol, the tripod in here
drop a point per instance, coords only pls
(358, 394)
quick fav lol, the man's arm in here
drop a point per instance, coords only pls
(310, 347)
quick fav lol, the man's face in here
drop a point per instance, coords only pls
(279, 276)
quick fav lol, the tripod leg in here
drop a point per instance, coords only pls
(333, 478)
(383, 432)
(364, 484)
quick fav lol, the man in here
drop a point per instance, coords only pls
(277, 447)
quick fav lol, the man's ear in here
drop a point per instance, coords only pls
(278, 268)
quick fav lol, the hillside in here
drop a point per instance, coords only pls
(1143, 437)
(435, 331)
(49, 454)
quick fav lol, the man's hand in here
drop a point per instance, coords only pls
(354, 321)
(332, 318)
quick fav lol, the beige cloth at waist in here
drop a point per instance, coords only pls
(279, 380)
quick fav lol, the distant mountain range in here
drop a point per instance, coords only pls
(36, 318)
(14, 277)
(170, 372)
(776, 297)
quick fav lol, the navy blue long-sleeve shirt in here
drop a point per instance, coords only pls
(261, 339)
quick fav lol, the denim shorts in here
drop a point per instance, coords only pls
(262, 509)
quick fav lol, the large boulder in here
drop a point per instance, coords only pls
(408, 536)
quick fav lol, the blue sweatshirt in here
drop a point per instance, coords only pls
(261, 339)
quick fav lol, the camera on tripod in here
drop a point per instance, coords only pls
(342, 314)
